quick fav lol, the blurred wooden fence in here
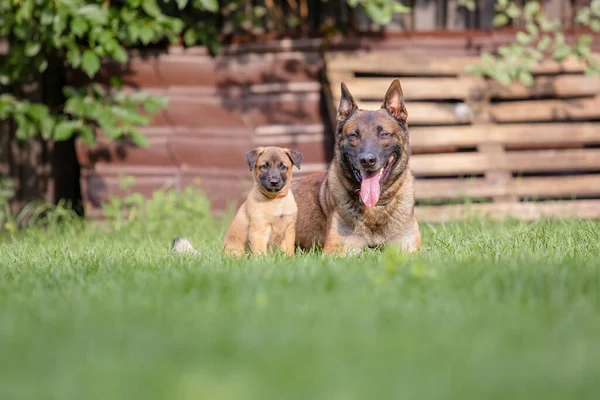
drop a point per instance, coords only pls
(277, 92)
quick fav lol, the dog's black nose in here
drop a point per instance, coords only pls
(274, 182)
(368, 160)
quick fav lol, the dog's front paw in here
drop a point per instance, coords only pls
(181, 245)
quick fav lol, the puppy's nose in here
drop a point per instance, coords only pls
(367, 160)
(274, 181)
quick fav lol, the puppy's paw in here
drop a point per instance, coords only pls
(181, 245)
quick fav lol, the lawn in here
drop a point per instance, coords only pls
(486, 311)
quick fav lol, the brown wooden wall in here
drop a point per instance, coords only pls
(219, 109)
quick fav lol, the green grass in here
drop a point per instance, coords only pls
(486, 311)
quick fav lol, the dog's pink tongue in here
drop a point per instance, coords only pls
(369, 188)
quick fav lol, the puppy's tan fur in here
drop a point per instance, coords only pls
(266, 219)
(331, 214)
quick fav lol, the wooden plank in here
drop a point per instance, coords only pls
(416, 88)
(552, 186)
(457, 188)
(518, 161)
(421, 113)
(556, 86)
(397, 64)
(394, 63)
(524, 211)
(496, 175)
(510, 134)
(556, 186)
(546, 110)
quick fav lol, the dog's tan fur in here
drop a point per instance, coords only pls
(266, 219)
(331, 214)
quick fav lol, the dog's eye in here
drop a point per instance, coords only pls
(264, 166)
(384, 134)
(353, 135)
(283, 167)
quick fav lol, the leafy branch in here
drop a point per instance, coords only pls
(78, 35)
(541, 39)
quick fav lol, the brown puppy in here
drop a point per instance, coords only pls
(366, 198)
(268, 216)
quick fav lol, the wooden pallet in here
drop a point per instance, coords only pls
(481, 147)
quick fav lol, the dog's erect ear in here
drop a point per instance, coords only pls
(347, 104)
(394, 102)
(295, 156)
(252, 157)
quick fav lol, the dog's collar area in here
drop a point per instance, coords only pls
(281, 196)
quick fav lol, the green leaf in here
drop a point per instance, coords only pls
(400, 8)
(532, 28)
(585, 40)
(25, 128)
(74, 57)
(561, 52)
(116, 81)
(65, 129)
(87, 135)
(210, 5)
(146, 34)
(32, 48)
(513, 11)
(94, 14)
(37, 111)
(120, 55)
(129, 116)
(189, 37)
(544, 43)
(523, 38)
(138, 139)
(79, 26)
(531, 8)
(155, 103)
(583, 17)
(151, 8)
(501, 4)
(595, 25)
(42, 65)
(473, 69)
(526, 78)
(181, 4)
(500, 20)
(90, 63)
(379, 14)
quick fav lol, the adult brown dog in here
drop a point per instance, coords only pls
(366, 198)
(268, 216)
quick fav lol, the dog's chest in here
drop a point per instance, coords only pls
(376, 226)
(281, 214)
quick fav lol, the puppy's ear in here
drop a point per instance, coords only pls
(394, 102)
(347, 104)
(295, 156)
(252, 157)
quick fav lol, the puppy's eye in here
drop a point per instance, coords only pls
(264, 166)
(384, 134)
(353, 135)
(283, 167)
